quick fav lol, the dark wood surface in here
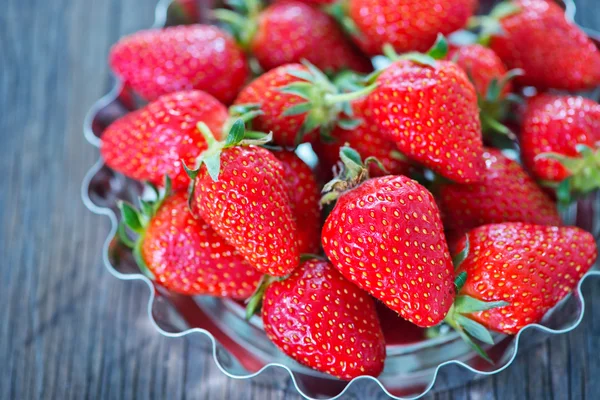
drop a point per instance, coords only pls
(62, 335)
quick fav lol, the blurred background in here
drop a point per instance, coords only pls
(70, 330)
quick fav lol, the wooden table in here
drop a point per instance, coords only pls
(62, 335)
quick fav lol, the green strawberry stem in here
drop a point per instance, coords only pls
(137, 221)
(584, 172)
(331, 99)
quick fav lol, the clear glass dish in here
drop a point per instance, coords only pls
(414, 363)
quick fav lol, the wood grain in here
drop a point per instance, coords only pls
(61, 334)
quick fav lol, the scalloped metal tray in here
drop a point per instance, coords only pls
(241, 350)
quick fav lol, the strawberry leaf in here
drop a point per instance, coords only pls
(459, 281)
(298, 109)
(462, 255)
(439, 50)
(349, 124)
(300, 89)
(235, 135)
(124, 237)
(213, 165)
(474, 345)
(474, 329)
(139, 259)
(504, 9)
(468, 304)
(304, 75)
(131, 216)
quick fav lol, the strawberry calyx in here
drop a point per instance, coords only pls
(352, 172)
(438, 51)
(494, 107)
(211, 157)
(242, 20)
(137, 220)
(584, 170)
(489, 25)
(325, 102)
(458, 315)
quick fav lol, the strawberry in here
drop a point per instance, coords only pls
(492, 83)
(295, 100)
(366, 140)
(325, 322)
(536, 37)
(429, 109)
(292, 31)
(242, 193)
(160, 61)
(183, 253)
(482, 65)
(150, 143)
(521, 270)
(506, 193)
(560, 141)
(304, 196)
(385, 235)
(407, 25)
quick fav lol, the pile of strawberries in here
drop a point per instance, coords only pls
(415, 201)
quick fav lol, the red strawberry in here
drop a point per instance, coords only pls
(482, 65)
(295, 101)
(366, 140)
(505, 194)
(407, 25)
(386, 236)
(242, 193)
(553, 52)
(150, 143)
(492, 84)
(431, 113)
(304, 196)
(159, 61)
(323, 321)
(292, 31)
(530, 267)
(560, 138)
(184, 254)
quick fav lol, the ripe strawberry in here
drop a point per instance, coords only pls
(492, 83)
(323, 321)
(529, 268)
(366, 140)
(150, 143)
(431, 113)
(559, 140)
(482, 65)
(241, 192)
(386, 236)
(184, 254)
(295, 100)
(553, 52)
(160, 61)
(407, 25)
(304, 196)
(292, 31)
(505, 194)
